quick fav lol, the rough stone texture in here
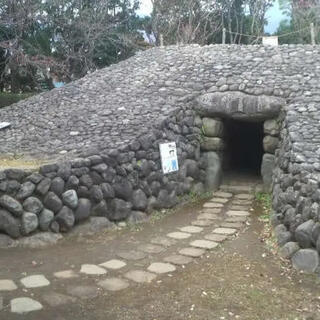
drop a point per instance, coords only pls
(33, 205)
(9, 225)
(289, 249)
(11, 205)
(192, 252)
(83, 210)
(151, 248)
(65, 219)
(54, 299)
(162, 95)
(267, 167)
(204, 244)
(70, 199)
(213, 171)
(270, 144)
(212, 127)
(29, 222)
(306, 260)
(39, 240)
(178, 259)
(131, 255)
(303, 234)
(24, 305)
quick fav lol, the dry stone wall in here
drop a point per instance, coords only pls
(114, 119)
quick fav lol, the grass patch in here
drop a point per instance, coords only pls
(6, 98)
(265, 202)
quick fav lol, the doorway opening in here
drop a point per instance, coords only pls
(244, 147)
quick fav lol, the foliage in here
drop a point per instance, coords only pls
(265, 201)
(9, 98)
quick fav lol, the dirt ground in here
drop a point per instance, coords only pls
(243, 279)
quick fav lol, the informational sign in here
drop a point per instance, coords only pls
(169, 158)
(4, 125)
(270, 41)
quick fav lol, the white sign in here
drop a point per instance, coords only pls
(270, 41)
(4, 125)
(169, 158)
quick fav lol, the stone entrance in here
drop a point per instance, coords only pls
(240, 133)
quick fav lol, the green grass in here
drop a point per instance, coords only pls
(6, 99)
(265, 201)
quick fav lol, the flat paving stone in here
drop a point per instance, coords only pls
(131, 255)
(240, 208)
(1, 303)
(113, 264)
(83, 292)
(192, 252)
(225, 231)
(66, 274)
(7, 285)
(234, 225)
(237, 213)
(211, 210)
(222, 194)
(202, 223)
(236, 219)
(161, 267)
(208, 216)
(163, 241)
(179, 235)
(54, 299)
(151, 248)
(178, 259)
(191, 229)
(35, 281)
(219, 200)
(92, 269)
(242, 202)
(213, 205)
(216, 237)
(204, 244)
(140, 276)
(244, 196)
(114, 284)
(24, 305)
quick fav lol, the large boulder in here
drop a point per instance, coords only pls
(271, 127)
(214, 171)
(119, 209)
(12, 205)
(212, 127)
(212, 144)
(45, 218)
(306, 260)
(289, 249)
(270, 144)
(65, 219)
(9, 225)
(303, 234)
(26, 190)
(70, 199)
(83, 210)
(29, 222)
(123, 189)
(53, 202)
(33, 204)
(267, 166)
(139, 200)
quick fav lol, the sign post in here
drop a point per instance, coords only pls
(169, 158)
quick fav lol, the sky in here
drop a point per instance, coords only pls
(274, 15)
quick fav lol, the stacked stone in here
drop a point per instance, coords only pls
(212, 146)
(122, 184)
(271, 130)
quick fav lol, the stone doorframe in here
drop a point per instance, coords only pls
(214, 108)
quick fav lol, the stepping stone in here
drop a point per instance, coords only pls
(65, 274)
(24, 305)
(92, 269)
(244, 196)
(131, 255)
(213, 205)
(225, 231)
(83, 292)
(219, 200)
(1, 303)
(7, 285)
(163, 241)
(234, 225)
(113, 264)
(202, 223)
(216, 237)
(236, 213)
(179, 235)
(236, 219)
(240, 208)
(151, 248)
(35, 281)
(192, 252)
(208, 216)
(160, 267)
(211, 210)
(204, 244)
(222, 194)
(178, 259)
(57, 299)
(140, 276)
(242, 202)
(114, 284)
(191, 229)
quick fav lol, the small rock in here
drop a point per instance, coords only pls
(11, 205)
(33, 205)
(29, 222)
(45, 218)
(160, 267)
(289, 249)
(83, 210)
(52, 202)
(306, 260)
(70, 199)
(26, 190)
(65, 219)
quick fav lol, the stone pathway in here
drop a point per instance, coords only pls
(220, 219)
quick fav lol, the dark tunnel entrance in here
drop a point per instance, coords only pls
(244, 146)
